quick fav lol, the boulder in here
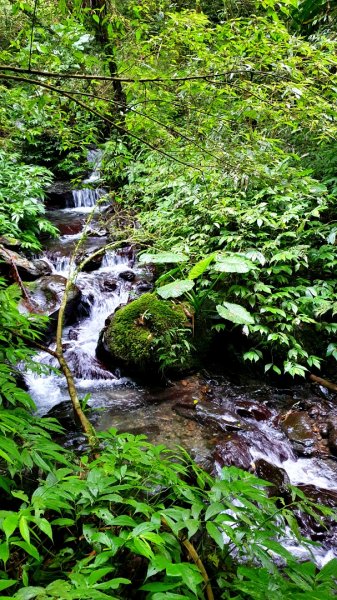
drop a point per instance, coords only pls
(141, 335)
(59, 195)
(298, 427)
(232, 450)
(28, 269)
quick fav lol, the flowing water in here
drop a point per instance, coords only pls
(208, 420)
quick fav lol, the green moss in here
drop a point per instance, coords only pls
(149, 332)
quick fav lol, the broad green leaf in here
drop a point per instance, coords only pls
(201, 266)
(28, 593)
(162, 258)
(233, 264)
(235, 313)
(175, 289)
(6, 583)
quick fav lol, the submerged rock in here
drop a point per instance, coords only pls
(217, 418)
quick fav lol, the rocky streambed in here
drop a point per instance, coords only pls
(282, 434)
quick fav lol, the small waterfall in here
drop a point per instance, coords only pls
(59, 263)
(85, 198)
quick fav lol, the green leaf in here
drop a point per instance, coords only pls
(10, 523)
(162, 258)
(24, 529)
(329, 570)
(28, 593)
(175, 289)
(235, 313)
(4, 552)
(201, 266)
(233, 264)
(6, 583)
(215, 534)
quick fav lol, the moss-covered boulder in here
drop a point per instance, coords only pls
(150, 334)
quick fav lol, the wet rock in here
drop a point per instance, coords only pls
(275, 475)
(94, 262)
(110, 285)
(323, 530)
(45, 296)
(127, 252)
(28, 269)
(217, 418)
(232, 450)
(268, 443)
(73, 334)
(84, 366)
(320, 495)
(144, 286)
(298, 427)
(252, 410)
(127, 275)
(70, 227)
(332, 434)
(59, 195)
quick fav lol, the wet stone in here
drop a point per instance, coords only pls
(59, 194)
(232, 450)
(252, 410)
(216, 418)
(127, 275)
(298, 427)
(144, 286)
(110, 285)
(275, 475)
(332, 434)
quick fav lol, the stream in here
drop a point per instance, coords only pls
(284, 435)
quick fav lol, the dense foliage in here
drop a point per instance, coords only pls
(219, 139)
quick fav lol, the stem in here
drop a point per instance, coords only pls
(196, 559)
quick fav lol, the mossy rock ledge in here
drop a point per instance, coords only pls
(144, 334)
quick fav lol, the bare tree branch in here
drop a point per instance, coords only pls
(205, 76)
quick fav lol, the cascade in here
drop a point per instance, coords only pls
(129, 407)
